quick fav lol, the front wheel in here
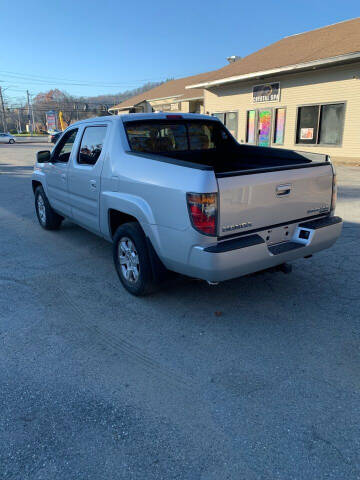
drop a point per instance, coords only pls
(11, 141)
(48, 219)
(131, 259)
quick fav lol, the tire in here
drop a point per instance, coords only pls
(48, 219)
(132, 260)
(11, 141)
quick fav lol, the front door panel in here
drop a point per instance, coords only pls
(57, 173)
(264, 128)
(85, 176)
(84, 189)
(57, 181)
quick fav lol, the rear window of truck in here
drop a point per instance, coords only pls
(160, 136)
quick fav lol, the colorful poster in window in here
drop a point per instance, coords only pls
(279, 126)
(250, 136)
(306, 134)
(264, 127)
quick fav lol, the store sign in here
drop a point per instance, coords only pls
(166, 107)
(269, 92)
(51, 120)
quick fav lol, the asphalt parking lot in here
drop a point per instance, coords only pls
(257, 378)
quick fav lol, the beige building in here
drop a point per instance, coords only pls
(171, 96)
(301, 92)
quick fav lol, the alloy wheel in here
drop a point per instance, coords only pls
(129, 260)
(41, 209)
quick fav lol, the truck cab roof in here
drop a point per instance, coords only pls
(146, 116)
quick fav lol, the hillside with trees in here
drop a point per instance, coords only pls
(72, 107)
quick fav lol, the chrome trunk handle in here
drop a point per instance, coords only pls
(282, 190)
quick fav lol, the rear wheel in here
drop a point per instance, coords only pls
(11, 140)
(48, 219)
(131, 259)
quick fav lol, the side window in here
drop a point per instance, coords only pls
(307, 124)
(63, 149)
(230, 120)
(220, 116)
(201, 136)
(279, 129)
(250, 126)
(231, 123)
(91, 145)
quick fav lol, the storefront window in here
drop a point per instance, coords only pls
(331, 123)
(307, 124)
(231, 123)
(220, 116)
(230, 120)
(320, 124)
(250, 126)
(279, 126)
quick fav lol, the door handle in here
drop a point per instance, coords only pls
(63, 176)
(282, 190)
(93, 183)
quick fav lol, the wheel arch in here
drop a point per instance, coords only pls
(35, 184)
(116, 218)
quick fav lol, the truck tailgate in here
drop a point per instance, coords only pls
(259, 200)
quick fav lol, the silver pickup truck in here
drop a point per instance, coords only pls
(179, 193)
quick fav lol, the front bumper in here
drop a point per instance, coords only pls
(247, 254)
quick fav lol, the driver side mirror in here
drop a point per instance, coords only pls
(43, 156)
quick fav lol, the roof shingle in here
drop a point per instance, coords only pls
(327, 42)
(169, 89)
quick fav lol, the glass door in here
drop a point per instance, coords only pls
(264, 127)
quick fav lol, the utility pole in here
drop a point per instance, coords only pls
(28, 105)
(19, 117)
(30, 118)
(3, 111)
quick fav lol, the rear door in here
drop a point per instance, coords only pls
(57, 173)
(85, 176)
(261, 200)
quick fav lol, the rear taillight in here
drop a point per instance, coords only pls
(334, 193)
(203, 212)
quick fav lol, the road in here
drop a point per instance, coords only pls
(255, 379)
(33, 139)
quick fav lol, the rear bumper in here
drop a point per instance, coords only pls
(234, 258)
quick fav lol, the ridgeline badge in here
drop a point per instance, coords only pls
(237, 226)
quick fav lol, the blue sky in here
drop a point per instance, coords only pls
(109, 46)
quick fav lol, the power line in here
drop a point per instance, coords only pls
(40, 82)
(39, 79)
(42, 77)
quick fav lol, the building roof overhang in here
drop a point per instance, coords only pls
(149, 100)
(313, 65)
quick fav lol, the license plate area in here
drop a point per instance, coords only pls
(278, 234)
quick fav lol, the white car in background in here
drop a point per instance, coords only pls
(6, 138)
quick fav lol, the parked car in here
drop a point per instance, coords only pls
(6, 138)
(54, 137)
(178, 192)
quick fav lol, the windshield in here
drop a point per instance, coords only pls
(161, 136)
